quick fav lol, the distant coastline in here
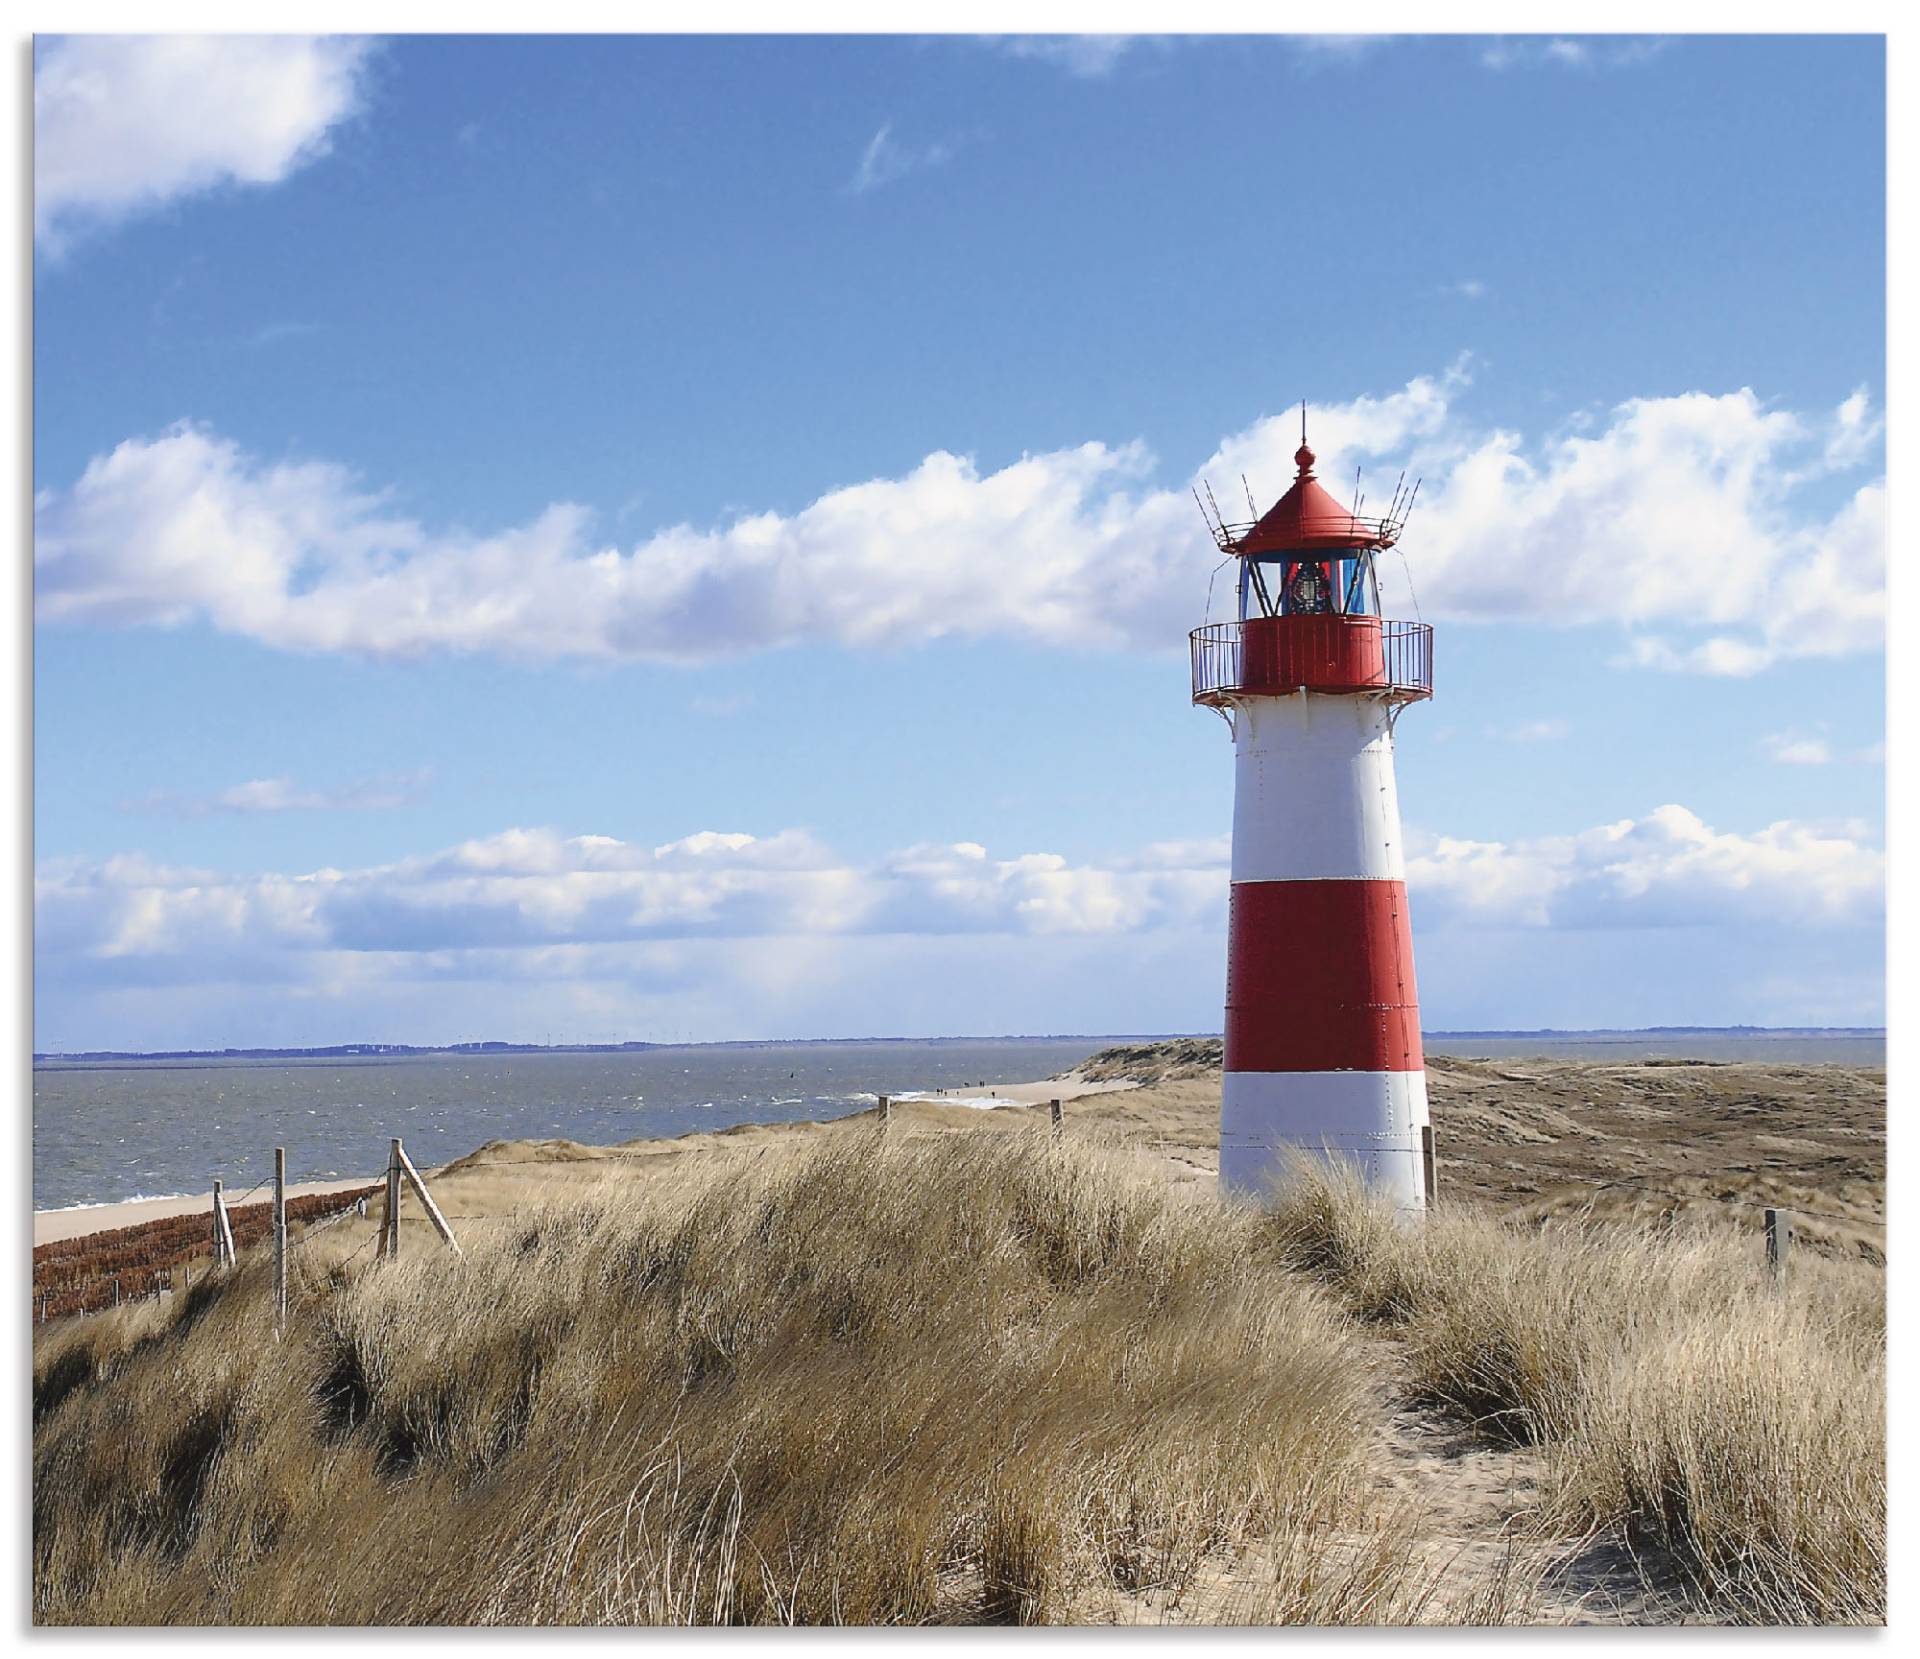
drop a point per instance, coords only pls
(404, 1051)
(1603, 1033)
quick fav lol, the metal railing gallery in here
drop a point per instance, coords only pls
(1406, 653)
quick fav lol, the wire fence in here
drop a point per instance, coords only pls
(100, 1271)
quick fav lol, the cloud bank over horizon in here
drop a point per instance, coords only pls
(1701, 525)
(743, 935)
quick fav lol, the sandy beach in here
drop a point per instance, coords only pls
(52, 1225)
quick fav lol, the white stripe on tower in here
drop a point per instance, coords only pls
(1313, 791)
(1323, 1027)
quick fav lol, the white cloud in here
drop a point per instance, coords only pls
(123, 124)
(886, 159)
(1695, 513)
(1094, 57)
(1856, 427)
(1797, 749)
(1090, 57)
(1318, 49)
(1727, 658)
(1801, 747)
(1517, 52)
(1666, 869)
(380, 793)
(731, 934)
(1681, 510)
(535, 890)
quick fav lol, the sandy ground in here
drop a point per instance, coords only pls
(49, 1225)
(1070, 1087)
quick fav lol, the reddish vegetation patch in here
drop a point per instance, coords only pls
(78, 1275)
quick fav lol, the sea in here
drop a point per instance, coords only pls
(109, 1130)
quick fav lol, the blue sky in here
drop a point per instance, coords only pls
(630, 537)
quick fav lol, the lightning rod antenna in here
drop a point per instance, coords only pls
(1219, 517)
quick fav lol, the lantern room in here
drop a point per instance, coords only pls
(1308, 556)
(1308, 615)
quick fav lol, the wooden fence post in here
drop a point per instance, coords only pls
(224, 1254)
(1429, 1164)
(1779, 1242)
(390, 1247)
(1053, 1110)
(886, 1110)
(280, 1238)
(426, 1198)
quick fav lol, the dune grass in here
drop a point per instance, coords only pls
(961, 1377)
(1733, 1425)
(974, 1375)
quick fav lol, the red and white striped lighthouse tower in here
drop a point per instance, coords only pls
(1323, 1023)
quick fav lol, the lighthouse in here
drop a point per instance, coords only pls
(1323, 1022)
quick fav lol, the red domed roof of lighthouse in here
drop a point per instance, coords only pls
(1307, 518)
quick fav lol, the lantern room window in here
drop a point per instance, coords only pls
(1297, 584)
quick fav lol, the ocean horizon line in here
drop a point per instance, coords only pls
(373, 1050)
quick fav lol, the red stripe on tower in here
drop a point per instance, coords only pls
(1323, 1053)
(1320, 977)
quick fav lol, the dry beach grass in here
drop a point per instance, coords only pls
(1733, 1426)
(881, 1381)
(962, 1371)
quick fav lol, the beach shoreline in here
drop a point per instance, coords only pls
(85, 1220)
(1529, 1137)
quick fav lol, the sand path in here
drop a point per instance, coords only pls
(1478, 1508)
